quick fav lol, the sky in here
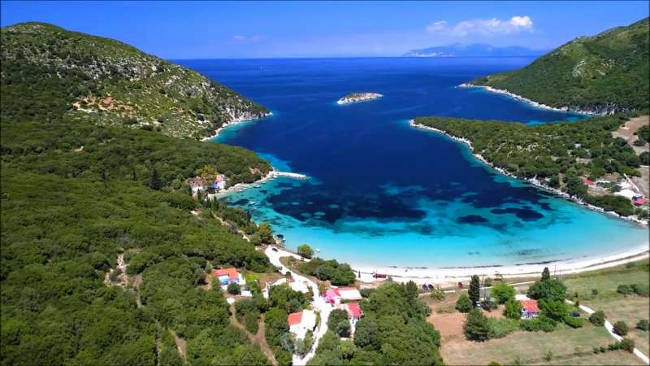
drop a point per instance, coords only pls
(185, 30)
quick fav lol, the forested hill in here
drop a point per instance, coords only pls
(110, 83)
(77, 198)
(605, 73)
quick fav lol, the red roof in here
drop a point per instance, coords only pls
(294, 318)
(639, 201)
(230, 272)
(529, 306)
(588, 182)
(354, 310)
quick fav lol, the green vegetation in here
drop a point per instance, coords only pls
(557, 154)
(642, 325)
(77, 198)
(621, 328)
(474, 291)
(393, 331)
(597, 318)
(477, 327)
(339, 274)
(605, 73)
(464, 304)
(284, 297)
(248, 313)
(338, 323)
(502, 292)
(48, 70)
(512, 309)
(305, 251)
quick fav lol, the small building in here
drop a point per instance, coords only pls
(588, 182)
(335, 296)
(226, 276)
(529, 308)
(639, 200)
(354, 310)
(301, 322)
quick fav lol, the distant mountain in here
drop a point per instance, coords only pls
(112, 83)
(605, 73)
(473, 50)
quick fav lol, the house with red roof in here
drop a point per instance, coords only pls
(639, 200)
(354, 310)
(529, 308)
(337, 295)
(301, 322)
(226, 276)
(588, 182)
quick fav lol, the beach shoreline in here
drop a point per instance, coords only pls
(450, 276)
(234, 122)
(272, 174)
(530, 181)
(529, 101)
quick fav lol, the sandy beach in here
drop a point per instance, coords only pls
(234, 122)
(450, 276)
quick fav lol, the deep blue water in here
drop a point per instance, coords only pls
(384, 193)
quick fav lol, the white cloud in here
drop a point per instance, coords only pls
(245, 38)
(482, 26)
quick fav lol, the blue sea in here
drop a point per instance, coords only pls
(383, 193)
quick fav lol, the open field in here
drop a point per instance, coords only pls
(630, 308)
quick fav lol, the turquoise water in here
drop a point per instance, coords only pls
(384, 193)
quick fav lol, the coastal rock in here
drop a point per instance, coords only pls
(359, 97)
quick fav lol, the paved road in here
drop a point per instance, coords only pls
(610, 329)
(318, 303)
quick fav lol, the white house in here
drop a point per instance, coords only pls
(302, 322)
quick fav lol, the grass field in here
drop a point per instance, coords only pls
(630, 308)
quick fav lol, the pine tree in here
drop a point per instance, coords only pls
(546, 275)
(475, 290)
(154, 182)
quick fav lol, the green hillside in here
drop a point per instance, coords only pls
(604, 73)
(110, 83)
(76, 196)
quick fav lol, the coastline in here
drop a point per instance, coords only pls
(531, 181)
(366, 98)
(272, 174)
(246, 118)
(450, 276)
(529, 101)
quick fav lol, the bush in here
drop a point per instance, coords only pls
(597, 318)
(640, 290)
(620, 328)
(551, 289)
(642, 325)
(555, 310)
(512, 309)
(502, 292)
(624, 289)
(501, 327)
(574, 322)
(488, 305)
(627, 344)
(437, 294)
(338, 323)
(464, 304)
(477, 327)
(234, 289)
(305, 251)
(541, 322)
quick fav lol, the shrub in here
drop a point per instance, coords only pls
(512, 309)
(640, 290)
(493, 363)
(594, 291)
(642, 325)
(627, 344)
(620, 328)
(464, 304)
(437, 294)
(501, 327)
(597, 318)
(551, 289)
(234, 289)
(474, 290)
(502, 292)
(477, 327)
(624, 289)
(305, 251)
(574, 322)
(338, 323)
(553, 309)
(488, 305)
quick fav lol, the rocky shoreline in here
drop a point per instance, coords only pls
(531, 181)
(530, 101)
(244, 118)
(358, 97)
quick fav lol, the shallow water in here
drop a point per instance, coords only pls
(384, 193)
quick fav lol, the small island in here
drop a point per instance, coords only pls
(358, 97)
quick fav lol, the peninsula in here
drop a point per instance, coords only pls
(359, 97)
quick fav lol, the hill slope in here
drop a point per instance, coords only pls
(111, 83)
(605, 73)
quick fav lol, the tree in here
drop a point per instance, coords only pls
(234, 288)
(552, 289)
(555, 310)
(512, 309)
(266, 233)
(366, 333)
(477, 327)
(502, 292)
(338, 323)
(546, 274)
(474, 291)
(620, 328)
(305, 251)
(154, 181)
(597, 318)
(463, 304)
